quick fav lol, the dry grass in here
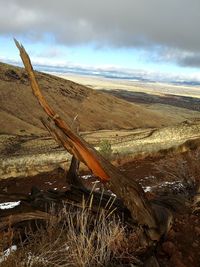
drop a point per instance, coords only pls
(182, 167)
(76, 238)
(20, 113)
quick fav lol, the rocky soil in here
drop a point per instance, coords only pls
(180, 248)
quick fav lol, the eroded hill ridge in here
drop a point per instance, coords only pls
(20, 113)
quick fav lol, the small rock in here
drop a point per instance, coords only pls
(193, 217)
(5, 189)
(151, 262)
(169, 248)
(195, 245)
(12, 74)
(197, 230)
(176, 261)
(190, 258)
(171, 234)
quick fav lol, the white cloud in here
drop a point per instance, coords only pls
(127, 23)
(112, 71)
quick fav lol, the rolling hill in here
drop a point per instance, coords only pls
(20, 112)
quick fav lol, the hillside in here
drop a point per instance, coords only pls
(20, 113)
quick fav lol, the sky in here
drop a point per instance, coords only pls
(143, 39)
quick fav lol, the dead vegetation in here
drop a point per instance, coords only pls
(183, 168)
(74, 238)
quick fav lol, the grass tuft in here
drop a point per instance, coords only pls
(76, 238)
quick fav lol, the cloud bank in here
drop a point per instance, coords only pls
(172, 25)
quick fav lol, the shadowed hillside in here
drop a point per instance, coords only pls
(20, 112)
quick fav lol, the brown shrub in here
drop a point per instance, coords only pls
(183, 167)
(76, 238)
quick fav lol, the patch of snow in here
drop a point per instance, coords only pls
(167, 183)
(9, 205)
(7, 252)
(67, 247)
(147, 189)
(175, 185)
(49, 183)
(111, 193)
(85, 177)
(33, 259)
(149, 177)
(97, 189)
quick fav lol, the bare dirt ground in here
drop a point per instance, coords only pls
(154, 88)
(180, 248)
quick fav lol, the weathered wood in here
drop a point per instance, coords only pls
(9, 221)
(39, 201)
(128, 190)
(38, 204)
(72, 177)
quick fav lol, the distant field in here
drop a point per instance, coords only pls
(178, 103)
(134, 86)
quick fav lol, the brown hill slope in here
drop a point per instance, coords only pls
(20, 113)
